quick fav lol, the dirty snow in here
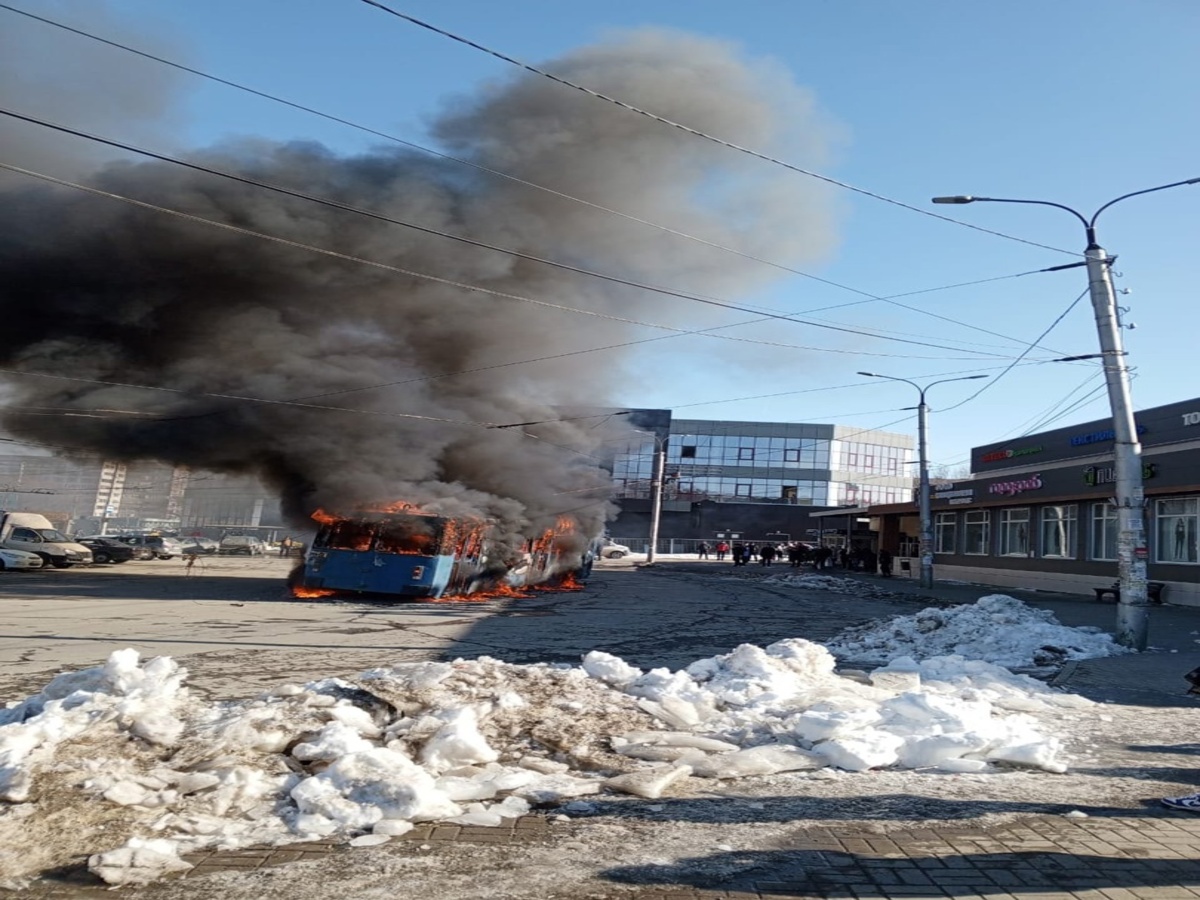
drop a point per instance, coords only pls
(146, 772)
(996, 628)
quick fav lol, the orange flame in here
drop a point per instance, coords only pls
(307, 593)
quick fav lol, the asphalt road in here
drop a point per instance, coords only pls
(234, 624)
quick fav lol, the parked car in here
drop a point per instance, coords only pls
(613, 550)
(198, 546)
(106, 549)
(34, 533)
(242, 544)
(19, 560)
(151, 546)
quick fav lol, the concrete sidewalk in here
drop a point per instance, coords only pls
(1151, 853)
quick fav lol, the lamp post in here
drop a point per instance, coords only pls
(656, 490)
(925, 545)
(1132, 619)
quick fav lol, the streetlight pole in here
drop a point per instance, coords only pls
(1132, 617)
(925, 545)
(656, 491)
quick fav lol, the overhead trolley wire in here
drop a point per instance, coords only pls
(466, 162)
(702, 134)
(579, 270)
(462, 285)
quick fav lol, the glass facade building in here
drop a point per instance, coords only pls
(771, 462)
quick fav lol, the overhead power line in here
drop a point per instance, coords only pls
(991, 382)
(579, 270)
(477, 288)
(466, 162)
(702, 134)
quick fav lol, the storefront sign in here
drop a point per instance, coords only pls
(952, 495)
(1094, 475)
(1099, 437)
(1016, 486)
(997, 455)
(1192, 418)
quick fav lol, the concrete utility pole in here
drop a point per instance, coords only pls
(925, 545)
(1132, 617)
(656, 490)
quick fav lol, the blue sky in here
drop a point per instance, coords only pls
(1075, 102)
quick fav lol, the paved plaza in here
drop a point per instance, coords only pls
(1132, 849)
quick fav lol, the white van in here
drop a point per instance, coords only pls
(34, 533)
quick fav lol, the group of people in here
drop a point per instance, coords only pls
(797, 554)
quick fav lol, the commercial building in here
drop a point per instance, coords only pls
(1037, 511)
(87, 495)
(758, 480)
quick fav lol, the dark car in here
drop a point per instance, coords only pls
(106, 550)
(198, 546)
(150, 546)
(243, 544)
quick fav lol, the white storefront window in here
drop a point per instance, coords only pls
(944, 532)
(1104, 532)
(1014, 532)
(1058, 531)
(1176, 532)
(976, 532)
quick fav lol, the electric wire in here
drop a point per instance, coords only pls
(1034, 422)
(504, 175)
(702, 134)
(992, 381)
(475, 288)
(333, 204)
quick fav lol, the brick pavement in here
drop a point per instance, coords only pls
(1151, 855)
(1132, 857)
(1148, 856)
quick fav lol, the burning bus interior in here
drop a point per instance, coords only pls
(415, 554)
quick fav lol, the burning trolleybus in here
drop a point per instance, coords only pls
(411, 554)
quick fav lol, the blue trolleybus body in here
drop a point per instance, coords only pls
(401, 554)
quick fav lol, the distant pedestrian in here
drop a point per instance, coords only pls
(843, 558)
(702, 550)
(766, 554)
(722, 549)
(285, 546)
(885, 563)
(738, 551)
(747, 554)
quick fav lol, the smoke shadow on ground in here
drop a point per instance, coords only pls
(896, 807)
(1165, 748)
(165, 586)
(838, 873)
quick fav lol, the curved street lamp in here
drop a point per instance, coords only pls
(926, 540)
(1132, 624)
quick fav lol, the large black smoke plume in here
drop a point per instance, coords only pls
(103, 291)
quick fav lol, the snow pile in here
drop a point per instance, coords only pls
(996, 628)
(124, 753)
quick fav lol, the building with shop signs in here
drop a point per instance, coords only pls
(1037, 510)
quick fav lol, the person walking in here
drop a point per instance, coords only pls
(738, 558)
(766, 554)
(747, 554)
(285, 546)
(702, 551)
(722, 549)
(885, 563)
